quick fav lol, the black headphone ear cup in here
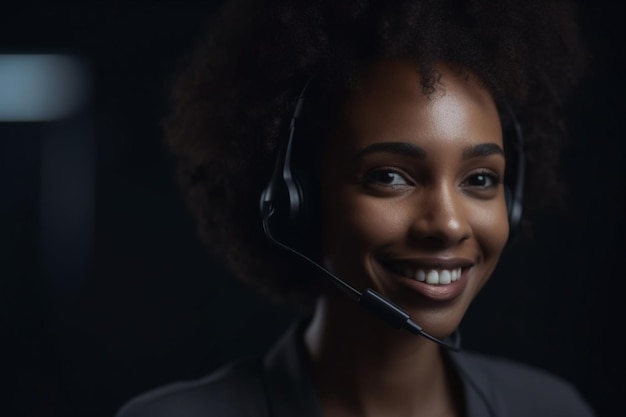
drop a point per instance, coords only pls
(515, 173)
(508, 199)
(512, 211)
(282, 203)
(296, 217)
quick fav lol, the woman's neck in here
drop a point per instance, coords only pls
(361, 366)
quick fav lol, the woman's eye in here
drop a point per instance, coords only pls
(482, 180)
(386, 177)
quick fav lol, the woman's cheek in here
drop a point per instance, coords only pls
(373, 221)
(490, 226)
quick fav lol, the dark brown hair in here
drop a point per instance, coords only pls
(235, 95)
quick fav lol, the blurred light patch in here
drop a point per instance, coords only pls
(41, 87)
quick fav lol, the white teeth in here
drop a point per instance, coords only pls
(433, 276)
(421, 275)
(445, 277)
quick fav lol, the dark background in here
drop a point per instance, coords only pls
(139, 304)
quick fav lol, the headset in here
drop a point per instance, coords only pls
(285, 209)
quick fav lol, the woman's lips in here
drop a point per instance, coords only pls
(437, 280)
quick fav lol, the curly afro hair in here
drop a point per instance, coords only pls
(235, 94)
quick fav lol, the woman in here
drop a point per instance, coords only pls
(384, 142)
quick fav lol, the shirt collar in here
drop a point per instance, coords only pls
(290, 389)
(287, 379)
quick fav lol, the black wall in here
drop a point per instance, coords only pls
(150, 307)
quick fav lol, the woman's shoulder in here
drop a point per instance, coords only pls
(275, 383)
(520, 388)
(233, 390)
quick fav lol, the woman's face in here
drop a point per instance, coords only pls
(412, 194)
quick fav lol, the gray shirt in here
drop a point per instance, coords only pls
(279, 385)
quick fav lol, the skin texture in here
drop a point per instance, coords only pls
(388, 212)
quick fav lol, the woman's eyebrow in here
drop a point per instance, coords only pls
(410, 149)
(484, 149)
(401, 148)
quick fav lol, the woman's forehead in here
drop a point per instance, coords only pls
(392, 105)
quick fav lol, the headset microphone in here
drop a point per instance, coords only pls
(282, 206)
(369, 299)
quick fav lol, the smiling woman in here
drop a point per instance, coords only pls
(411, 194)
(396, 186)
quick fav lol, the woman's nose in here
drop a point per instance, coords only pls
(440, 217)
